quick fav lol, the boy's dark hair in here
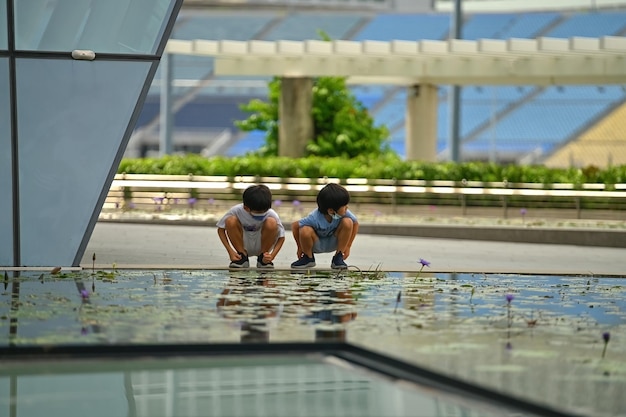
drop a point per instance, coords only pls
(332, 196)
(257, 198)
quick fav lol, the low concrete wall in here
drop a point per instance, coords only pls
(566, 236)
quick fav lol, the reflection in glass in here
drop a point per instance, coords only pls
(120, 26)
(6, 189)
(287, 385)
(72, 117)
(3, 25)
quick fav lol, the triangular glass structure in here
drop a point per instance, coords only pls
(73, 77)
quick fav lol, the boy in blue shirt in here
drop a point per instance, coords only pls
(330, 227)
(252, 228)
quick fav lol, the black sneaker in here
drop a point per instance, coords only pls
(304, 262)
(261, 264)
(337, 262)
(241, 263)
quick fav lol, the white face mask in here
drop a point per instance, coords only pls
(258, 216)
(336, 216)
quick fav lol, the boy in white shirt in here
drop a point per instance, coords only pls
(252, 228)
(330, 227)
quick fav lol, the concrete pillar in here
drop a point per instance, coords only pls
(421, 123)
(296, 119)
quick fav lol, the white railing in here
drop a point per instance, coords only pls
(144, 188)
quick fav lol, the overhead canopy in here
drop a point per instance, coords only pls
(541, 61)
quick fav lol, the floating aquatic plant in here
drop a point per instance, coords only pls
(84, 294)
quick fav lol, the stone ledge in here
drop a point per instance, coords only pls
(558, 236)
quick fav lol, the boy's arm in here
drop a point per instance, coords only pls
(295, 230)
(232, 254)
(277, 246)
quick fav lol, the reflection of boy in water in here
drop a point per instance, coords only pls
(333, 315)
(250, 298)
(252, 291)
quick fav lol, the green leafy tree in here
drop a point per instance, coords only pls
(342, 125)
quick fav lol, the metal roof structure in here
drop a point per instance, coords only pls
(541, 61)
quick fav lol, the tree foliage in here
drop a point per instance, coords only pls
(342, 125)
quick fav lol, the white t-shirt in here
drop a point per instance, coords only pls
(250, 225)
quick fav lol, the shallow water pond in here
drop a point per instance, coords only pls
(537, 337)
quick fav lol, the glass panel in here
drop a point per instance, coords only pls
(72, 117)
(120, 26)
(6, 202)
(288, 385)
(3, 25)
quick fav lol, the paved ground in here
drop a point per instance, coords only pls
(130, 245)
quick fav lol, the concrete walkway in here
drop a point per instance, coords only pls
(146, 246)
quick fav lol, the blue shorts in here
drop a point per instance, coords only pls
(325, 244)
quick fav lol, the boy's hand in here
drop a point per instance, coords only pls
(234, 256)
(267, 257)
(346, 253)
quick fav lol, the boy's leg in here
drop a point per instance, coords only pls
(307, 240)
(269, 234)
(234, 231)
(343, 233)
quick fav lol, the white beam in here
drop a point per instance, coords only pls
(544, 61)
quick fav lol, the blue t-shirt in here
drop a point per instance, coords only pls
(323, 227)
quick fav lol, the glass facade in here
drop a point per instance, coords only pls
(63, 154)
(120, 26)
(73, 117)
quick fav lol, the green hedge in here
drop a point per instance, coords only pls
(383, 168)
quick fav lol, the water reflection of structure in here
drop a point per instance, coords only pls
(332, 314)
(257, 304)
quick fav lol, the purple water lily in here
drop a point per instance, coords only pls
(424, 263)
(192, 201)
(509, 298)
(84, 294)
